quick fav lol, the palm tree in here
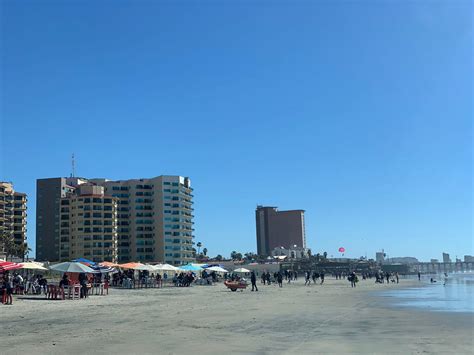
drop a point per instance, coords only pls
(233, 254)
(219, 257)
(199, 245)
(325, 255)
(204, 251)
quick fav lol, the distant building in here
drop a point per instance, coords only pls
(279, 229)
(88, 225)
(154, 219)
(49, 193)
(434, 261)
(468, 258)
(446, 258)
(404, 260)
(13, 213)
(379, 257)
(293, 252)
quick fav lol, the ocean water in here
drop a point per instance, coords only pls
(456, 296)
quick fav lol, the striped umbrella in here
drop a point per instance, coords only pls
(8, 265)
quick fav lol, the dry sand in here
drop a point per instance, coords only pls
(328, 319)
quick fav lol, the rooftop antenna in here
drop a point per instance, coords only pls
(73, 163)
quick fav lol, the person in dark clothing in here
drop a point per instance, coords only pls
(64, 281)
(83, 283)
(419, 276)
(321, 275)
(253, 280)
(280, 279)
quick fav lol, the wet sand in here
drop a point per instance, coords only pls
(327, 319)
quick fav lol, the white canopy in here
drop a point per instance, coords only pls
(165, 267)
(71, 266)
(241, 270)
(216, 269)
(145, 267)
(31, 265)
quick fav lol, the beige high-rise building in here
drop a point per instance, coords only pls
(88, 225)
(13, 212)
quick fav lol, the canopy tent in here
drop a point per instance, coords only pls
(190, 267)
(241, 270)
(145, 267)
(109, 264)
(71, 266)
(8, 265)
(31, 265)
(165, 267)
(130, 266)
(216, 269)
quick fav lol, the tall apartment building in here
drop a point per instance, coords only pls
(13, 212)
(446, 258)
(49, 193)
(154, 217)
(88, 225)
(279, 229)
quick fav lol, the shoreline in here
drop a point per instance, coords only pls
(329, 319)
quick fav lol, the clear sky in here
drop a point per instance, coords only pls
(359, 112)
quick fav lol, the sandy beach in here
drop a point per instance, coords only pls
(328, 319)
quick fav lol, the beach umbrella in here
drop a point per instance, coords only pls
(130, 266)
(190, 267)
(84, 261)
(8, 265)
(216, 269)
(31, 265)
(241, 270)
(71, 266)
(103, 269)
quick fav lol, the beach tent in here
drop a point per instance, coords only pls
(165, 267)
(216, 269)
(145, 267)
(8, 265)
(109, 264)
(241, 270)
(132, 266)
(71, 266)
(190, 267)
(31, 265)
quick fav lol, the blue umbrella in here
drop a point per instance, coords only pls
(83, 260)
(190, 267)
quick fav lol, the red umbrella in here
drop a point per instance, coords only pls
(8, 265)
(342, 250)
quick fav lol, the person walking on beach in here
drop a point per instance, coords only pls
(264, 277)
(419, 276)
(396, 276)
(8, 285)
(387, 276)
(280, 279)
(321, 275)
(353, 279)
(253, 280)
(307, 278)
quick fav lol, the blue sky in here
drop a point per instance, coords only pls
(358, 112)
